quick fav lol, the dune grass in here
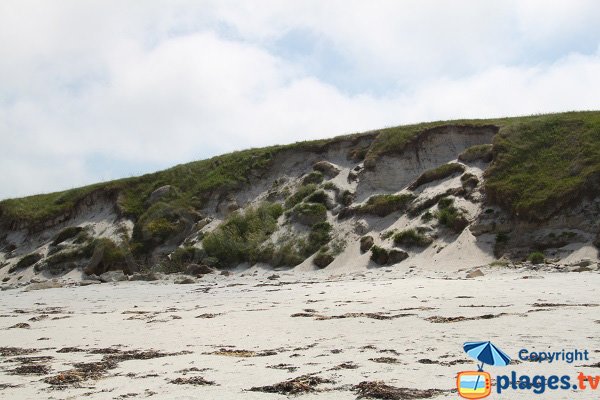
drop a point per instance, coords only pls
(545, 163)
(239, 238)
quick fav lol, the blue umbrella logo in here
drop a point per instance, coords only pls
(486, 353)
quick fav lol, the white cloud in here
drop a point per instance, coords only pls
(153, 84)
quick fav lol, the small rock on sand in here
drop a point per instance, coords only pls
(475, 273)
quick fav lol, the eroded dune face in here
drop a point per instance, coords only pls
(392, 173)
(418, 199)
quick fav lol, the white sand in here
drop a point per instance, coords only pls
(258, 318)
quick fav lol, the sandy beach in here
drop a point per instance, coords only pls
(239, 336)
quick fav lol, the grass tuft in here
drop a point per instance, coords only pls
(435, 174)
(385, 204)
(410, 237)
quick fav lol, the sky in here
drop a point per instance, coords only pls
(97, 90)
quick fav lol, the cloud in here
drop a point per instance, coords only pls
(103, 90)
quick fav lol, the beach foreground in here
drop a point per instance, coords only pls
(239, 336)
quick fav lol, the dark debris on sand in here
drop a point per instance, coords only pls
(285, 367)
(379, 390)
(345, 365)
(29, 360)
(31, 369)
(376, 315)
(15, 351)
(195, 380)
(446, 320)
(385, 360)
(20, 325)
(96, 370)
(301, 384)
(70, 350)
(4, 386)
(138, 355)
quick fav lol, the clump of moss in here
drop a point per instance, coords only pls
(480, 152)
(536, 258)
(302, 192)
(441, 172)
(411, 237)
(385, 204)
(239, 238)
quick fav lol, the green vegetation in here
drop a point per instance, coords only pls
(302, 192)
(323, 259)
(112, 255)
(427, 216)
(187, 254)
(330, 186)
(309, 213)
(291, 250)
(543, 163)
(66, 234)
(285, 253)
(445, 202)
(536, 258)
(346, 198)
(450, 216)
(161, 222)
(320, 234)
(318, 197)
(500, 263)
(435, 174)
(469, 181)
(26, 261)
(388, 234)
(379, 254)
(385, 204)
(314, 177)
(410, 237)
(238, 239)
(481, 152)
